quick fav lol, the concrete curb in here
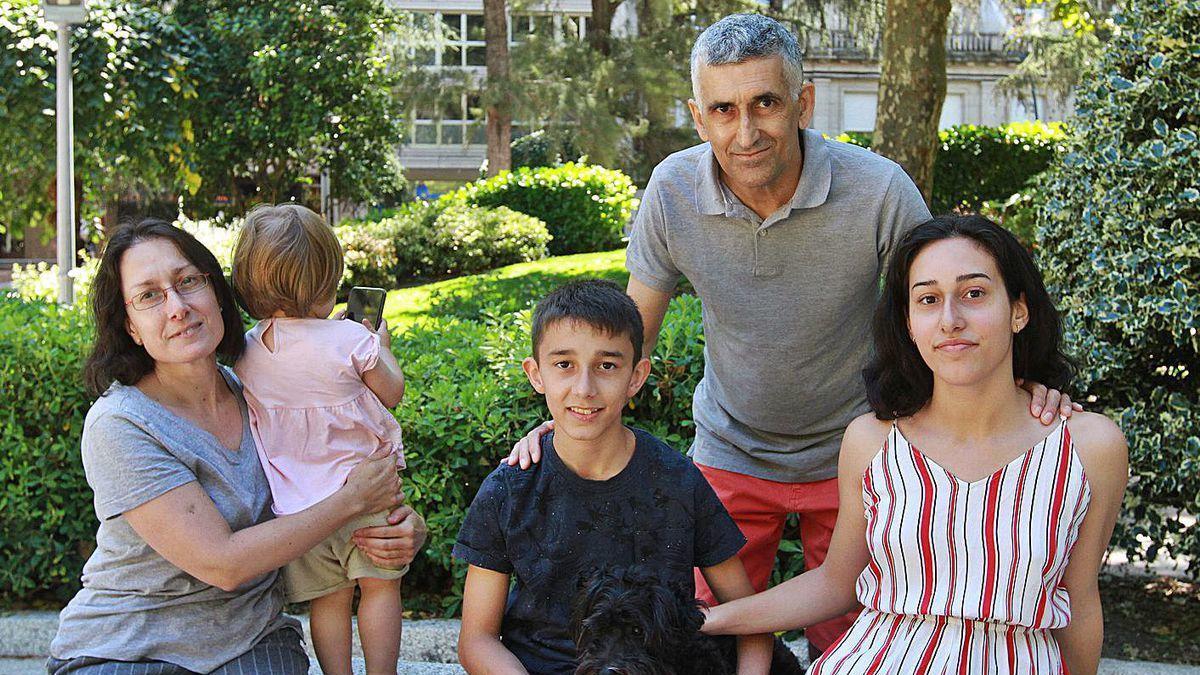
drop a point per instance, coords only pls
(428, 648)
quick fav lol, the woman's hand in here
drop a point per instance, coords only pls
(395, 545)
(373, 484)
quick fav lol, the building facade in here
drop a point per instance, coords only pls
(845, 75)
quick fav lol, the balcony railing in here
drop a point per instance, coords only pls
(846, 44)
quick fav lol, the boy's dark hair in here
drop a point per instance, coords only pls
(600, 304)
(899, 383)
(115, 356)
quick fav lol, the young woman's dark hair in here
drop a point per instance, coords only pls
(115, 356)
(899, 383)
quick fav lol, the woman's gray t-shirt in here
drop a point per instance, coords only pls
(135, 605)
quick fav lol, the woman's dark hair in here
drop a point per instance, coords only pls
(899, 383)
(115, 356)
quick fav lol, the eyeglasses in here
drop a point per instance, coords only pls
(184, 285)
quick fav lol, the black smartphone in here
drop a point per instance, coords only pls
(366, 302)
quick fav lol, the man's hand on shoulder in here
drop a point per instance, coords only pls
(1047, 404)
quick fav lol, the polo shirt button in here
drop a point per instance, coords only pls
(762, 233)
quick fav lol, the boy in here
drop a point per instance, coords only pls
(604, 495)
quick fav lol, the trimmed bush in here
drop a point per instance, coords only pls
(584, 207)
(544, 148)
(438, 239)
(47, 526)
(977, 164)
(1120, 232)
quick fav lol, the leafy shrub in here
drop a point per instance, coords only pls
(584, 207)
(438, 239)
(544, 148)
(46, 527)
(977, 164)
(40, 281)
(469, 239)
(1120, 232)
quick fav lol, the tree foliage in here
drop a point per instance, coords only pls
(134, 87)
(290, 89)
(1120, 235)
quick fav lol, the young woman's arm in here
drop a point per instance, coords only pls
(1105, 456)
(728, 581)
(386, 379)
(479, 648)
(184, 526)
(827, 591)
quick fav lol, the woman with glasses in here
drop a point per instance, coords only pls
(184, 577)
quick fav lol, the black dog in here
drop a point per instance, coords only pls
(629, 622)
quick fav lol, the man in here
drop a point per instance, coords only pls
(784, 235)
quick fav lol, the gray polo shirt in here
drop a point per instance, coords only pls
(787, 301)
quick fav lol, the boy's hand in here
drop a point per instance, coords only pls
(528, 450)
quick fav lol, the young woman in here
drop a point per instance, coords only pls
(982, 536)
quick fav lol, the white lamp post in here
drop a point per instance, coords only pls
(64, 13)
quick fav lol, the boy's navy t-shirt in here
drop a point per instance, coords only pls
(546, 527)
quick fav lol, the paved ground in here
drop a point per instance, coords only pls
(428, 649)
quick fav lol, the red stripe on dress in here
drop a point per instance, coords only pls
(925, 534)
(877, 662)
(992, 499)
(1010, 643)
(964, 657)
(873, 564)
(887, 528)
(950, 520)
(853, 651)
(1016, 539)
(1054, 514)
(927, 655)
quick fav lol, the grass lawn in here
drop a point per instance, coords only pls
(506, 289)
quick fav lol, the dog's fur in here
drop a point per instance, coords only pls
(629, 622)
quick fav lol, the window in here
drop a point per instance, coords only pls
(461, 123)
(858, 111)
(952, 111)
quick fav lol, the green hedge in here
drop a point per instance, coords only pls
(438, 239)
(1120, 231)
(584, 207)
(544, 148)
(46, 521)
(978, 164)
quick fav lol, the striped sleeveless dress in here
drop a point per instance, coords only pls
(964, 577)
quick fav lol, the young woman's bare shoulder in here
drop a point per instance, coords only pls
(1101, 447)
(862, 441)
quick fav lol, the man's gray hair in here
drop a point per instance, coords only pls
(741, 37)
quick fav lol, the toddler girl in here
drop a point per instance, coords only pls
(319, 392)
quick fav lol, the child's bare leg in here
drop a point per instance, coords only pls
(329, 621)
(379, 624)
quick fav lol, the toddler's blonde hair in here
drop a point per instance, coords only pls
(286, 259)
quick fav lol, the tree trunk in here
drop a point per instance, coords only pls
(599, 27)
(499, 98)
(912, 86)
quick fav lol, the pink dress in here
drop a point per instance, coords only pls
(312, 416)
(964, 577)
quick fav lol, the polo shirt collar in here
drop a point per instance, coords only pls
(811, 191)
